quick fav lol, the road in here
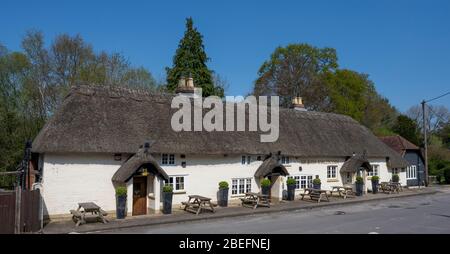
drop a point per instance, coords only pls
(420, 214)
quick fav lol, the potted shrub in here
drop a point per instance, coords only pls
(265, 186)
(375, 180)
(395, 178)
(316, 183)
(121, 202)
(167, 199)
(359, 184)
(290, 182)
(223, 194)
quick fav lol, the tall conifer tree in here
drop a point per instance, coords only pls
(190, 60)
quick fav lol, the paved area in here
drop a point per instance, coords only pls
(418, 214)
(297, 208)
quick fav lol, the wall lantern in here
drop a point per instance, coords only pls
(117, 156)
(300, 168)
(144, 172)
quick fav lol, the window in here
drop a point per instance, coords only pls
(167, 159)
(246, 160)
(302, 181)
(331, 171)
(411, 172)
(241, 186)
(177, 182)
(395, 171)
(375, 170)
(285, 160)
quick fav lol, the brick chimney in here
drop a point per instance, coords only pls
(186, 87)
(297, 103)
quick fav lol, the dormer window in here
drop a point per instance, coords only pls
(245, 160)
(285, 160)
(167, 159)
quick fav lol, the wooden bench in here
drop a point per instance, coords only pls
(254, 200)
(79, 215)
(388, 188)
(314, 194)
(197, 203)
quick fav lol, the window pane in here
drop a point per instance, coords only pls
(164, 159)
(249, 185)
(180, 183)
(241, 186)
(234, 187)
(243, 160)
(249, 159)
(171, 159)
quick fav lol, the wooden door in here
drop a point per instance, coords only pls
(139, 195)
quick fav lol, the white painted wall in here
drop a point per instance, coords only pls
(69, 179)
(203, 174)
(72, 178)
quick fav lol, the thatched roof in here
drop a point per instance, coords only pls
(141, 158)
(353, 163)
(113, 120)
(269, 166)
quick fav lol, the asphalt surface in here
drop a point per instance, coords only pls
(429, 214)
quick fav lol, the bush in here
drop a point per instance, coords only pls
(121, 191)
(375, 178)
(359, 179)
(265, 183)
(316, 181)
(291, 181)
(167, 188)
(223, 185)
(447, 174)
(395, 178)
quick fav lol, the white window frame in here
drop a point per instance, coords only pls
(176, 181)
(168, 159)
(395, 171)
(302, 181)
(332, 172)
(285, 160)
(411, 172)
(240, 186)
(246, 159)
(375, 170)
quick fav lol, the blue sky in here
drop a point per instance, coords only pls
(403, 45)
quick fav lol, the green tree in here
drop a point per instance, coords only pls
(407, 128)
(190, 59)
(346, 90)
(297, 69)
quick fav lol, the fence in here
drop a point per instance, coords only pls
(20, 211)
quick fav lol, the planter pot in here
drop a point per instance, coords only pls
(265, 190)
(290, 192)
(167, 202)
(359, 189)
(121, 207)
(223, 197)
(316, 186)
(374, 187)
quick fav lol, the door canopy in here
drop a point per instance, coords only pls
(129, 168)
(354, 163)
(271, 165)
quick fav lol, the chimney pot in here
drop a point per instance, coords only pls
(182, 82)
(190, 82)
(297, 103)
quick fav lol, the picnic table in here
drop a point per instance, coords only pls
(343, 191)
(390, 187)
(254, 200)
(315, 194)
(197, 203)
(79, 215)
